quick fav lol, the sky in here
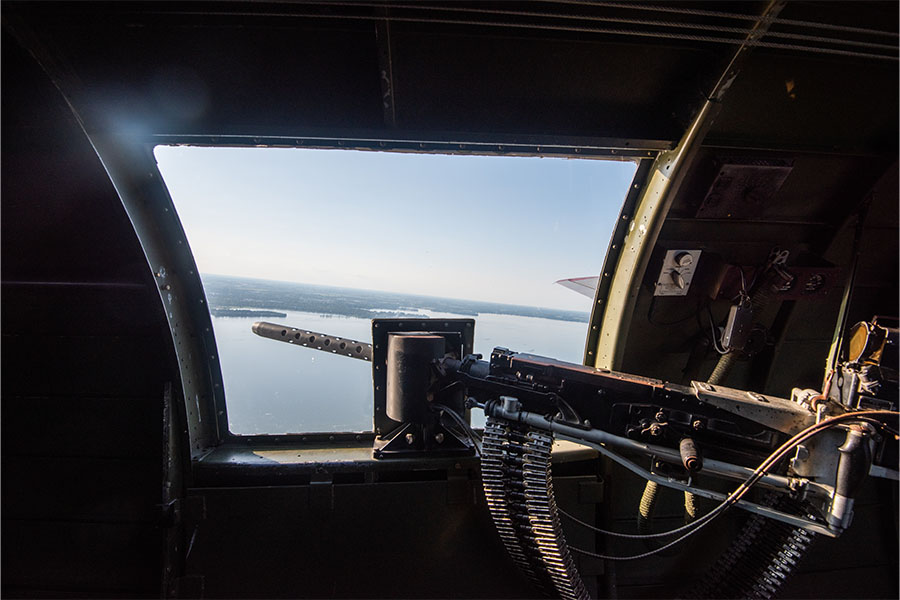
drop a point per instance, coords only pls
(491, 228)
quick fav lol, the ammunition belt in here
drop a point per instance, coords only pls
(518, 488)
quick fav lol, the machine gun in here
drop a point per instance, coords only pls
(812, 450)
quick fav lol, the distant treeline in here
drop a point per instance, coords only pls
(229, 296)
(240, 312)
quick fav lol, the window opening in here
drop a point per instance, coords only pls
(326, 240)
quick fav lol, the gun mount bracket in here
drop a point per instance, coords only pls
(459, 335)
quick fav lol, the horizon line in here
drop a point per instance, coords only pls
(566, 310)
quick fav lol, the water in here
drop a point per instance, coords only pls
(274, 388)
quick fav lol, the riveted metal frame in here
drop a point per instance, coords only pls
(613, 251)
(443, 143)
(132, 167)
(612, 311)
(132, 170)
(434, 142)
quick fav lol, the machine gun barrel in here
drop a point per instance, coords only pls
(312, 339)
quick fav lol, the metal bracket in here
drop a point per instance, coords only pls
(321, 492)
(777, 413)
(460, 334)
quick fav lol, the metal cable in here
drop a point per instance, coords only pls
(723, 15)
(606, 19)
(759, 472)
(568, 28)
(618, 534)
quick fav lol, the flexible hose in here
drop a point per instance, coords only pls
(758, 300)
(690, 508)
(645, 510)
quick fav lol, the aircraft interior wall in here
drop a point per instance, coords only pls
(109, 491)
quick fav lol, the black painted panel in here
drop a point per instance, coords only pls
(80, 489)
(38, 309)
(83, 366)
(92, 366)
(391, 540)
(73, 556)
(117, 427)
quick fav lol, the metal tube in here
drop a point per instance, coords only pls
(313, 340)
(672, 483)
(596, 436)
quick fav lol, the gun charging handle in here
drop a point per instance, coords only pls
(853, 466)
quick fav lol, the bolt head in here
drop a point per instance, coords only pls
(439, 438)
(697, 425)
(410, 439)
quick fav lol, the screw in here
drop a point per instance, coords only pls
(661, 417)
(438, 437)
(655, 429)
(697, 425)
(410, 438)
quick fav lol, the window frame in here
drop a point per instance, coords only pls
(132, 167)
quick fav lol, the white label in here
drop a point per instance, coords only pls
(677, 272)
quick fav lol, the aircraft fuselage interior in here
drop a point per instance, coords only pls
(730, 429)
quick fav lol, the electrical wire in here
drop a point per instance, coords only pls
(466, 429)
(869, 416)
(744, 291)
(619, 534)
(712, 326)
